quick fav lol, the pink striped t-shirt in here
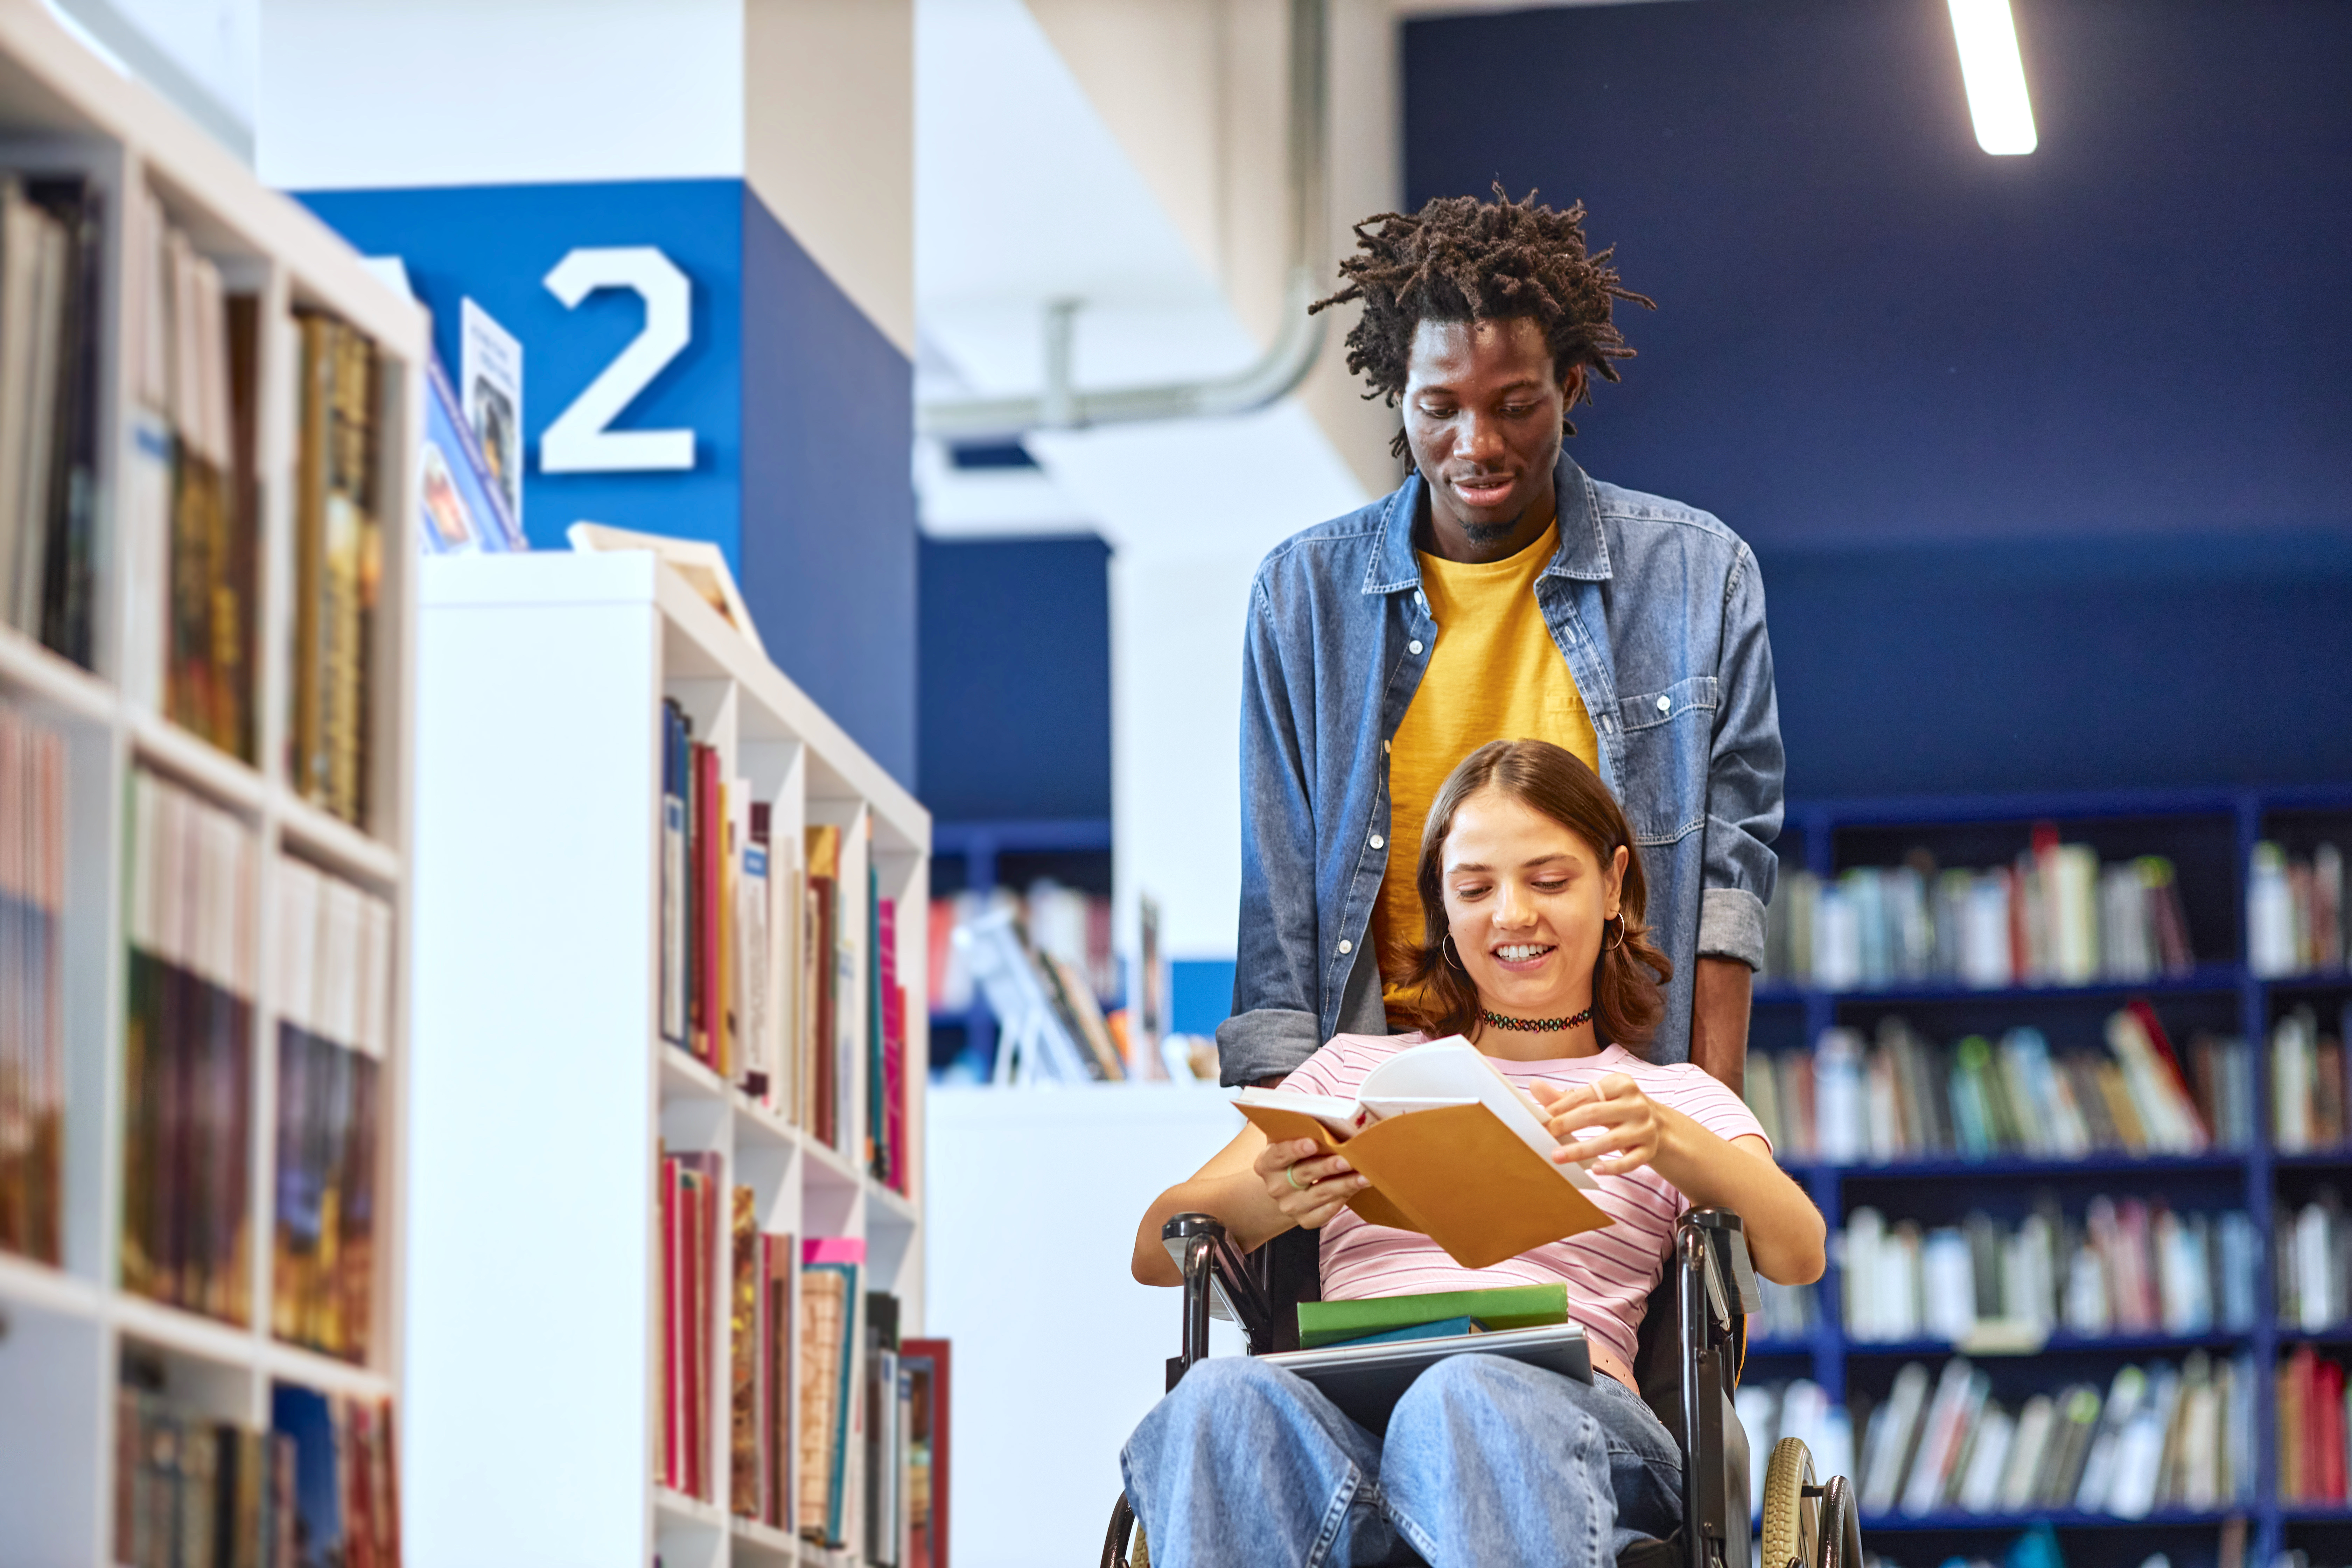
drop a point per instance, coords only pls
(1608, 1272)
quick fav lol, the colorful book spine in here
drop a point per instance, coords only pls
(188, 1078)
(676, 731)
(830, 1268)
(333, 979)
(33, 782)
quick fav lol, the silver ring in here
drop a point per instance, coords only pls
(1290, 1175)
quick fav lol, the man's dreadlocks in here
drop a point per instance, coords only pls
(1459, 259)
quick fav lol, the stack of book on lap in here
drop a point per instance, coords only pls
(2055, 917)
(1903, 1097)
(2164, 1437)
(334, 1019)
(33, 777)
(52, 270)
(2127, 1266)
(1381, 1318)
(691, 1222)
(187, 1058)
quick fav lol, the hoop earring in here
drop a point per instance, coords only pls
(1449, 952)
(1612, 947)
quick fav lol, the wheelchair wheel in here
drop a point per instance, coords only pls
(1792, 1508)
(1841, 1526)
(1124, 1524)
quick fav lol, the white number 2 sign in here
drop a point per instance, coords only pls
(580, 440)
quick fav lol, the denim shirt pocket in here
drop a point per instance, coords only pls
(1669, 734)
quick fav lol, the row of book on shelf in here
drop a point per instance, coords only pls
(32, 1007)
(1065, 924)
(2311, 1406)
(190, 517)
(774, 975)
(191, 931)
(2295, 911)
(2055, 917)
(2160, 1436)
(787, 1457)
(2128, 1266)
(52, 269)
(320, 1488)
(1905, 1096)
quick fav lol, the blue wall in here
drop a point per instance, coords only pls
(802, 411)
(2048, 460)
(1016, 679)
(828, 559)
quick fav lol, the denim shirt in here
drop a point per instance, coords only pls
(1658, 610)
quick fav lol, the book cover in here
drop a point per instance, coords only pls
(930, 1365)
(1454, 1152)
(1505, 1306)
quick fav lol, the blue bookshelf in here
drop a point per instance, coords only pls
(2210, 835)
(981, 847)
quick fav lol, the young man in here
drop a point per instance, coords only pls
(1498, 594)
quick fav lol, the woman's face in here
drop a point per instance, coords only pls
(1528, 900)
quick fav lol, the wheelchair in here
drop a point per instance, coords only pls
(1687, 1359)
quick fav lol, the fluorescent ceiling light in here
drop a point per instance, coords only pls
(1995, 76)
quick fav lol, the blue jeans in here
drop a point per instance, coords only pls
(1487, 1462)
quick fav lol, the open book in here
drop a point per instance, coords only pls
(1454, 1151)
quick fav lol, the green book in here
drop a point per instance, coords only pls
(1512, 1307)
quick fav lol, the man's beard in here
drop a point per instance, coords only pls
(1487, 535)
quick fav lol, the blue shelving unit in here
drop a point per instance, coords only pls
(979, 845)
(2214, 832)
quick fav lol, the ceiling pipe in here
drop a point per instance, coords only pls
(1285, 362)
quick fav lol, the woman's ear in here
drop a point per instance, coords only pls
(1617, 863)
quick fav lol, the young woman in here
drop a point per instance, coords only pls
(1536, 951)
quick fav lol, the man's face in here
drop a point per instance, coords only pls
(1483, 414)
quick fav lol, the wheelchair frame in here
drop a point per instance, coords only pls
(1688, 1378)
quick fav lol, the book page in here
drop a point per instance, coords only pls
(1457, 1071)
(1343, 1117)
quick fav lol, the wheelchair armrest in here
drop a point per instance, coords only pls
(1727, 1246)
(1217, 1283)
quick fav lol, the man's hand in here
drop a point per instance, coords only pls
(1308, 1186)
(1721, 990)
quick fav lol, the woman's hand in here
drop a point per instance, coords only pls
(1633, 1127)
(1308, 1190)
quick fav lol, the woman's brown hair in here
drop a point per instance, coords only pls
(1545, 778)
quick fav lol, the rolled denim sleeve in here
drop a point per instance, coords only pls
(1276, 1018)
(1745, 771)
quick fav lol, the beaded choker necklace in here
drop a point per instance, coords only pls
(1536, 1026)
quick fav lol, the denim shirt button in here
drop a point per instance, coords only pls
(1414, 645)
(1378, 841)
(1346, 946)
(1666, 704)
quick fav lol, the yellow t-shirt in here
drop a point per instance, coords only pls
(1494, 674)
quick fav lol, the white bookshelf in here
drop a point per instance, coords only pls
(542, 1088)
(62, 111)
